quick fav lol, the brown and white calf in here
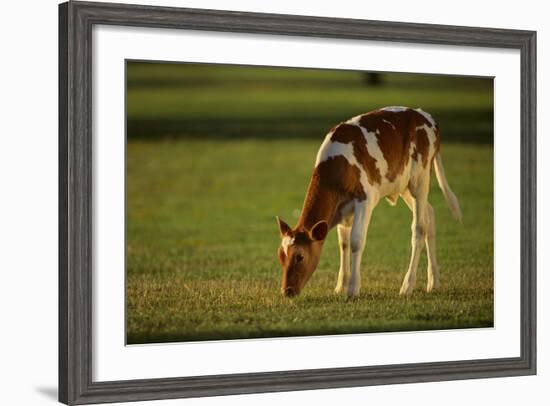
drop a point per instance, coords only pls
(386, 153)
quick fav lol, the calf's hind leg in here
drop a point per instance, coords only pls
(433, 269)
(418, 203)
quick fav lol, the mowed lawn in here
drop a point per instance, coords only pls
(202, 201)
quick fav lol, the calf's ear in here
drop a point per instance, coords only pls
(319, 231)
(284, 228)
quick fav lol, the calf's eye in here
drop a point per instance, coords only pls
(299, 257)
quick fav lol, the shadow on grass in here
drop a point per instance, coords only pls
(418, 324)
(457, 127)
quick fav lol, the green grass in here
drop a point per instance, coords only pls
(201, 230)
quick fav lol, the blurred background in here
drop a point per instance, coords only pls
(215, 152)
(190, 100)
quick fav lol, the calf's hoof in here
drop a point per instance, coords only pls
(339, 290)
(353, 291)
(433, 286)
(406, 290)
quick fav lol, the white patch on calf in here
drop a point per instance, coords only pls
(431, 138)
(286, 242)
(323, 149)
(395, 109)
(334, 148)
(355, 119)
(374, 151)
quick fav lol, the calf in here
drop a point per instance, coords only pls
(387, 153)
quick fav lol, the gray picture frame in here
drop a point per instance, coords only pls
(76, 20)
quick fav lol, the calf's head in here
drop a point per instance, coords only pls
(299, 254)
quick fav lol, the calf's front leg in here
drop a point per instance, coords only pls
(344, 245)
(362, 213)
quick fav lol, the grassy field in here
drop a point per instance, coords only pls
(206, 149)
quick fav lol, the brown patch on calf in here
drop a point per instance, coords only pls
(392, 134)
(338, 175)
(333, 182)
(348, 133)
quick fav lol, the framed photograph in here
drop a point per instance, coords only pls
(252, 202)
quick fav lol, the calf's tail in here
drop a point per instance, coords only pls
(450, 197)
